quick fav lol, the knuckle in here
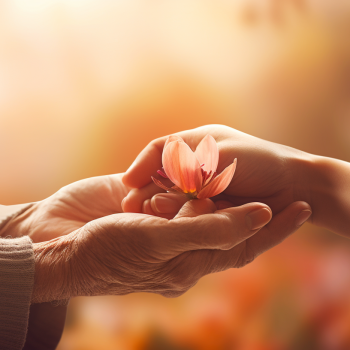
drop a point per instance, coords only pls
(170, 294)
(246, 256)
(180, 278)
(228, 232)
(154, 143)
(181, 282)
(178, 283)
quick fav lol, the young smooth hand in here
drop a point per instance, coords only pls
(261, 175)
(266, 172)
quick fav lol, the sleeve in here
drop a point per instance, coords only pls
(16, 285)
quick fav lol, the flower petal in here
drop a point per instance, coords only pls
(172, 138)
(220, 183)
(207, 153)
(182, 167)
(177, 189)
(161, 185)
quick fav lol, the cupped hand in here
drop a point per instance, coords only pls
(125, 253)
(266, 172)
(71, 208)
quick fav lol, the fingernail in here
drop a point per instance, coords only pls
(258, 218)
(302, 217)
(166, 205)
(146, 207)
(122, 203)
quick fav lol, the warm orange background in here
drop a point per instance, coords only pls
(86, 84)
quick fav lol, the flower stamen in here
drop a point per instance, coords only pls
(162, 173)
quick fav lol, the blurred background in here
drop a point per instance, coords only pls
(86, 84)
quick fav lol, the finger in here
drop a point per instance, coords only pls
(145, 165)
(196, 208)
(149, 160)
(281, 226)
(223, 204)
(171, 203)
(191, 266)
(167, 203)
(200, 226)
(147, 209)
(133, 202)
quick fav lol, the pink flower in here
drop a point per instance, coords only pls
(194, 173)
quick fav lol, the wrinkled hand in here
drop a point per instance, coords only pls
(71, 208)
(266, 172)
(62, 213)
(125, 253)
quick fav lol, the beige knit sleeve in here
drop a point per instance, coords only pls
(16, 285)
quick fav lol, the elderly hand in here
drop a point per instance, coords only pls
(266, 172)
(125, 253)
(70, 208)
(64, 212)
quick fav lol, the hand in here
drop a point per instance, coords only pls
(70, 208)
(125, 253)
(266, 172)
(64, 212)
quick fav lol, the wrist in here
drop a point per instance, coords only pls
(53, 278)
(325, 186)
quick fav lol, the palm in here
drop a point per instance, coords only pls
(75, 205)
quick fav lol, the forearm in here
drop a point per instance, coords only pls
(328, 182)
(54, 269)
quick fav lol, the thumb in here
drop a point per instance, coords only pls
(200, 226)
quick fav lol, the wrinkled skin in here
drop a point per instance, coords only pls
(65, 211)
(86, 246)
(125, 253)
(71, 208)
(117, 253)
